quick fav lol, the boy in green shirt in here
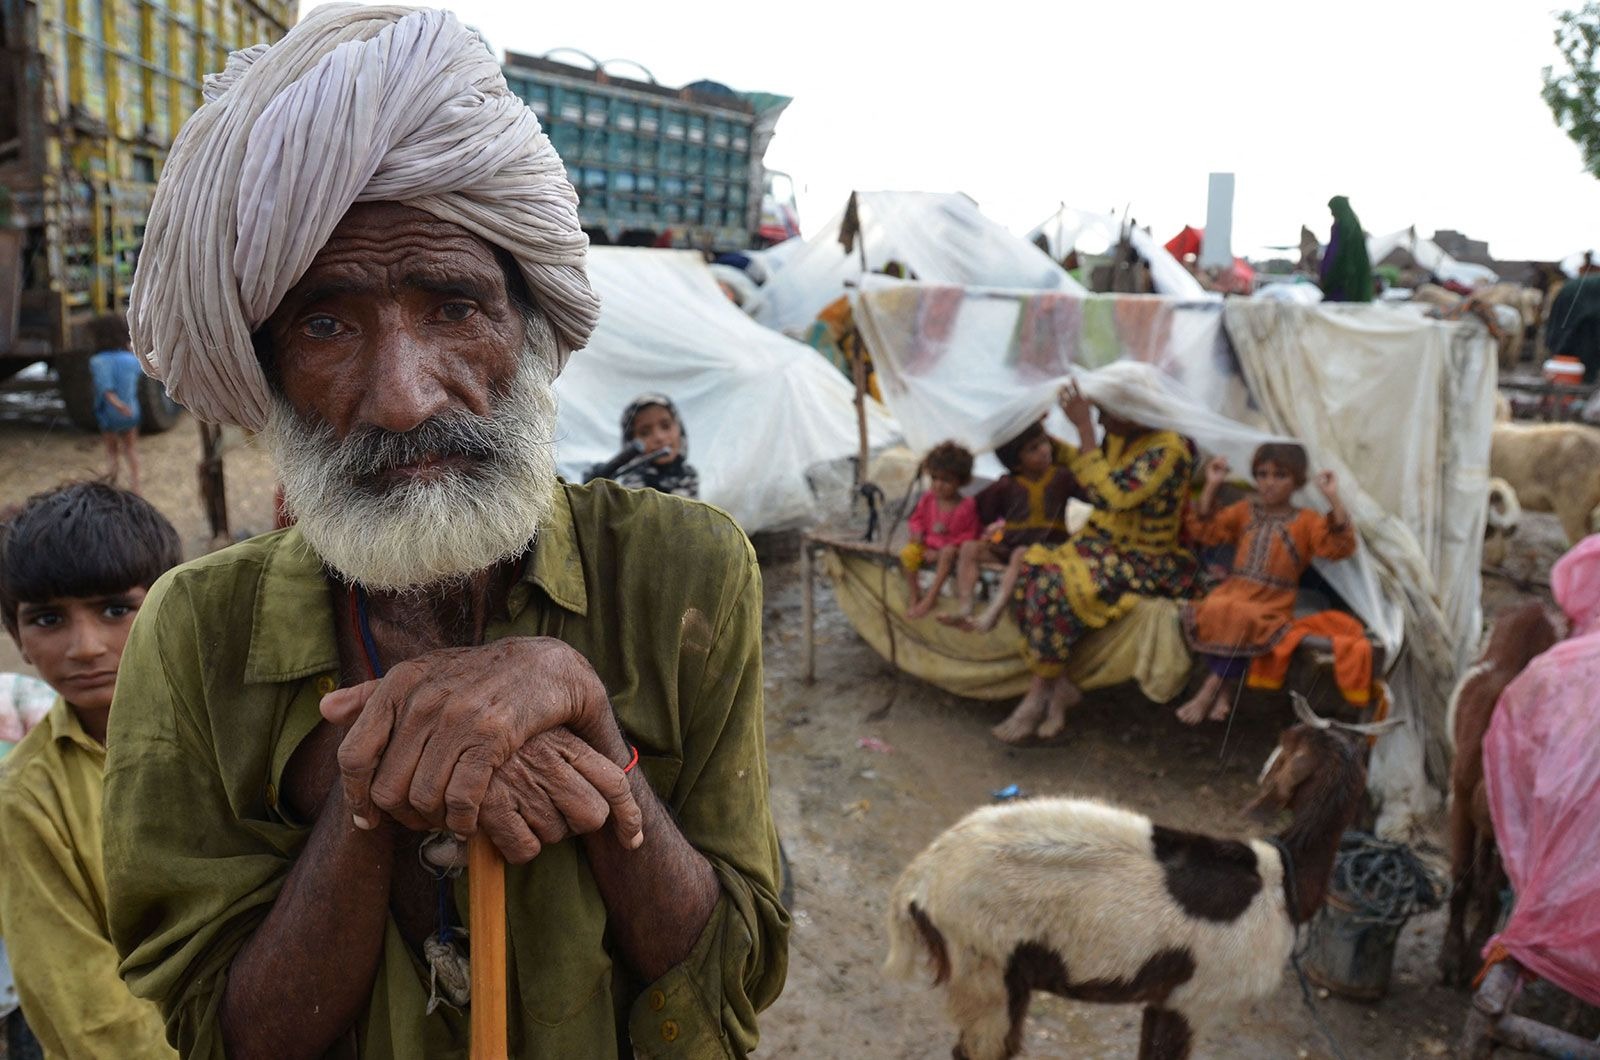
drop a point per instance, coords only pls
(75, 564)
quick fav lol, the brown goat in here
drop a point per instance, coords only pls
(1476, 875)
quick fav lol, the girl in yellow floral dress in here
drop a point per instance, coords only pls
(1137, 480)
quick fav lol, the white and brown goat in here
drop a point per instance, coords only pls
(1095, 903)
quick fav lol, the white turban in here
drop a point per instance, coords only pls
(355, 104)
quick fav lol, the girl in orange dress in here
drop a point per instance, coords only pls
(1274, 544)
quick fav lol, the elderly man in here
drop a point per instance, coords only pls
(363, 246)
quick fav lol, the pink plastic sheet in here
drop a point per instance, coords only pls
(1542, 766)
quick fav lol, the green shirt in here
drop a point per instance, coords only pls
(53, 900)
(220, 683)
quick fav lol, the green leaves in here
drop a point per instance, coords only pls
(1573, 93)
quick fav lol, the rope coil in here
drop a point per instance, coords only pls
(1383, 882)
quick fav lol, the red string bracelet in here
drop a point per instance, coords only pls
(632, 761)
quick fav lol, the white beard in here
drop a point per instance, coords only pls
(423, 532)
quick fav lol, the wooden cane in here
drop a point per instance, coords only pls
(486, 916)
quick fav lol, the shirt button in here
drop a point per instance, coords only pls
(669, 1031)
(658, 1001)
(325, 684)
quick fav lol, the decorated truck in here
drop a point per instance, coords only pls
(92, 93)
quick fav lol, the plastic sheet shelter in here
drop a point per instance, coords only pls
(941, 237)
(1542, 767)
(1431, 256)
(1238, 278)
(1095, 233)
(1401, 407)
(760, 410)
(1572, 265)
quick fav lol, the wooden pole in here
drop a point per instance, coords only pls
(858, 373)
(808, 606)
(486, 915)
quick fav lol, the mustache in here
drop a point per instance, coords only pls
(371, 451)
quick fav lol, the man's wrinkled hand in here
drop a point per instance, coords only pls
(555, 787)
(428, 736)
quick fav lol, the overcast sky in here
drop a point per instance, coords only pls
(1421, 113)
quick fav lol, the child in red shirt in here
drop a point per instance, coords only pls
(941, 521)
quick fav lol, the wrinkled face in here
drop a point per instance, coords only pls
(1036, 457)
(1274, 484)
(945, 488)
(400, 318)
(76, 642)
(656, 428)
(414, 414)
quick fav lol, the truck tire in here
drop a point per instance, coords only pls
(77, 390)
(157, 411)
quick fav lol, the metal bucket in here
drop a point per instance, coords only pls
(1350, 952)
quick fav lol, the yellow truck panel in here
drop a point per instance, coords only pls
(91, 94)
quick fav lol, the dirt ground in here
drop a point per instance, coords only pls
(852, 815)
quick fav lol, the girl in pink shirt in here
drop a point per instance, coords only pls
(941, 521)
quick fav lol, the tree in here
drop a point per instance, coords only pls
(1573, 94)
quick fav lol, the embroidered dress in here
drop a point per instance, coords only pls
(1248, 613)
(1128, 549)
(1033, 509)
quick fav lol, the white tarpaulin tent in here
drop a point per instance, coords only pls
(941, 237)
(1087, 230)
(977, 365)
(1431, 256)
(1403, 408)
(1572, 264)
(760, 409)
(1400, 407)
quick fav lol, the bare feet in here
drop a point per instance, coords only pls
(959, 619)
(920, 608)
(1222, 707)
(985, 622)
(1024, 721)
(1063, 697)
(1194, 711)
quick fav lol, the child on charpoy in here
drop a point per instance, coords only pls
(942, 521)
(1026, 506)
(1247, 614)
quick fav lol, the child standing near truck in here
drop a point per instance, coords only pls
(116, 372)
